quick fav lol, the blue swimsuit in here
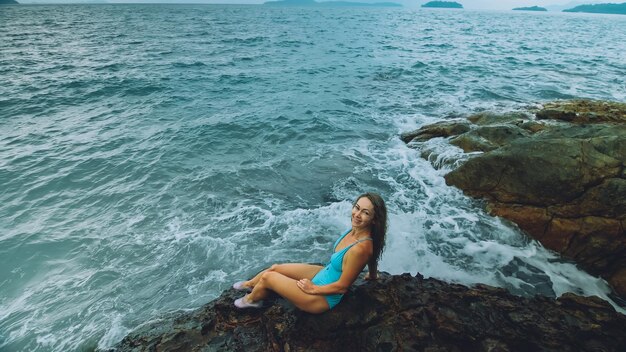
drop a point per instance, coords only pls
(332, 271)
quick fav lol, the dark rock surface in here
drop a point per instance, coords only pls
(560, 177)
(394, 313)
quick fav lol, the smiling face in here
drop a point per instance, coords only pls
(362, 214)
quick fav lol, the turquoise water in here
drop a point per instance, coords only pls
(150, 155)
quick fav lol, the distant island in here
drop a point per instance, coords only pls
(329, 3)
(443, 4)
(5, 2)
(531, 8)
(619, 9)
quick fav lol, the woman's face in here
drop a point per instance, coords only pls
(362, 213)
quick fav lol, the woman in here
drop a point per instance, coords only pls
(314, 288)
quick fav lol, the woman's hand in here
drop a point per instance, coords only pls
(307, 286)
(371, 276)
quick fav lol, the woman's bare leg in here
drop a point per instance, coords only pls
(285, 286)
(296, 271)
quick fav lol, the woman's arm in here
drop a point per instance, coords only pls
(354, 262)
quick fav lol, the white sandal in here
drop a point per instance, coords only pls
(241, 303)
(239, 286)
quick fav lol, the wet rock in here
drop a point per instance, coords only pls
(584, 111)
(439, 129)
(532, 126)
(490, 118)
(391, 314)
(564, 183)
(488, 138)
(544, 172)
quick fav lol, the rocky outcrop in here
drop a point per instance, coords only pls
(443, 4)
(560, 176)
(394, 313)
(619, 9)
(584, 111)
(530, 8)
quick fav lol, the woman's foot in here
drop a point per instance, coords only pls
(243, 302)
(240, 286)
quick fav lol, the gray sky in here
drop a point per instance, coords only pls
(468, 4)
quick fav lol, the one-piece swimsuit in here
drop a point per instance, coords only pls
(332, 271)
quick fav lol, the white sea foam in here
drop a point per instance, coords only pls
(437, 231)
(114, 332)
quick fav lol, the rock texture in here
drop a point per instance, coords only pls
(584, 111)
(561, 177)
(394, 313)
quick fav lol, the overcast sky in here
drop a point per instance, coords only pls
(468, 4)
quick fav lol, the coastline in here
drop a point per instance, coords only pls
(422, 313)
(135, 183)
(395, 312)
(558, 173)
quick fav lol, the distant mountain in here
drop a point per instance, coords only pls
(329, 3)
(443, 4)
(570, 4)
(531, 8)
(349, 3)
(619, 9)
(4, 2)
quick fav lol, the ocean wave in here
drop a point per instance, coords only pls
(294, 43)
(189, 65)
(244, 41)
(392, 73)
(236, 79)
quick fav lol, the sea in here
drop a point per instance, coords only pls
(152, 155)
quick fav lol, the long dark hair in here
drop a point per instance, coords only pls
(379, 225)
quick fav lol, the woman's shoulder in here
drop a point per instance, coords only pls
(364, 248)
